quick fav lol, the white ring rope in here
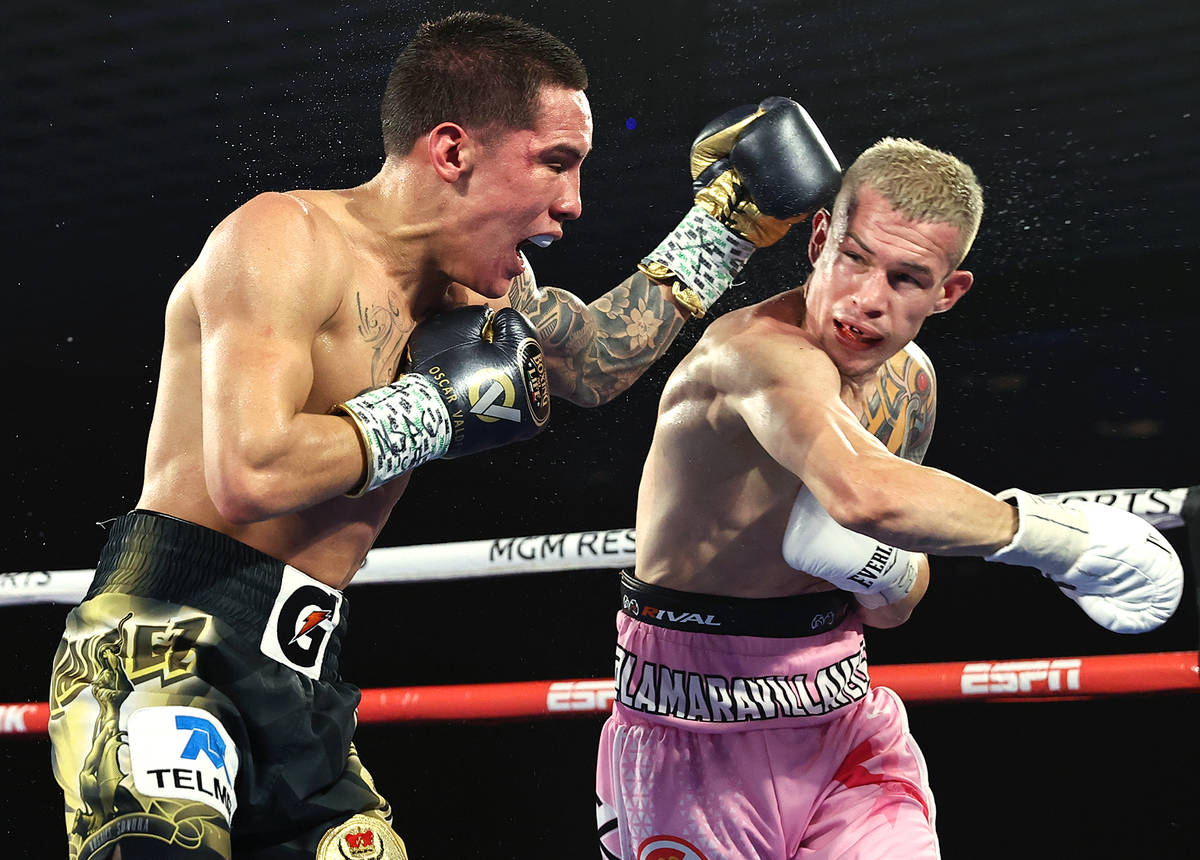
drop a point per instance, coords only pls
(594, 550)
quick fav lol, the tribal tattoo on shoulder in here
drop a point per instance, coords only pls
(900, 412)
(382, 329)
(596, 351)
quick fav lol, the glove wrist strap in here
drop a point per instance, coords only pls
(400, 425)
(903, 578)
(702, 256)
(1050, 536)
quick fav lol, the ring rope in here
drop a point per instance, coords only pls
(592, 550)
(1047, 679)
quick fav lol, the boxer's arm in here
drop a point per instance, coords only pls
(788, 395)
(262, 288)
(594, 351)
(901, 416)
(1119, 569)
(901, 412)
(772, 151)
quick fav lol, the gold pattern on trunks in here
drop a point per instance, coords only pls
(110, 809)
(164, 650)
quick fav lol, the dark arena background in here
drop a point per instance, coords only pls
(131, 129)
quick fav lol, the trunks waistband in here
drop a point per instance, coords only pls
(772, 617)
(160, 557)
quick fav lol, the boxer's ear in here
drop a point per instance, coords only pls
(819, 235)
(953, 288)
(448, 146)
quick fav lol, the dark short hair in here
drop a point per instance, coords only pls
(479, 70)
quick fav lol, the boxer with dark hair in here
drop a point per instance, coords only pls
(782, 508)
(323, 345)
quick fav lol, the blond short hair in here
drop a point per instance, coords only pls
(920, 182)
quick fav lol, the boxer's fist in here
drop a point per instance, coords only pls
(756, 170)
(491, 372)
(818, 545)
(760, 169)
(1119, 569)
(472, 379)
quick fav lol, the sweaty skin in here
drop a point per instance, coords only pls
(299, 301)
(781, 394)
(716, 502)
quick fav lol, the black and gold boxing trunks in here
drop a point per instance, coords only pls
(196, 709)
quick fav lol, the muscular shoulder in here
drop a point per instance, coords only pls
(758, 346)
(274, 244)
(273, 224)
(902, 410)
(911, 363)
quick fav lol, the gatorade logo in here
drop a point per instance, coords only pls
(304, 622)
(304, 614)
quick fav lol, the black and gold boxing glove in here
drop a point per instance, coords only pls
(756, 170)
(472, 379)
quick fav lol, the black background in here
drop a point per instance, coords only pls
(131, 129)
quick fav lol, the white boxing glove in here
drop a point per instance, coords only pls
(1120, 570)
(817, 544)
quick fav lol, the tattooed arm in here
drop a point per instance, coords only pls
(595, 351)
(900, 412)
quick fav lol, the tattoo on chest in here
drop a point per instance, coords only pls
(899, 413)
(385, 332)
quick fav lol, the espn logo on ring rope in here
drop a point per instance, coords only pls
(1021, 676)
(581, 696)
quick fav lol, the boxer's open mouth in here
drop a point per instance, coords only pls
(853, 334)
(541, 240)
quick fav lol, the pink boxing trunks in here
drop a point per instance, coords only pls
(762, 740)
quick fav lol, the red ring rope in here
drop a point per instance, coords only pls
(1049, 678)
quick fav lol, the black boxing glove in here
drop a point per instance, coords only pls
(756, 170)
(761, 169)
(472, 379)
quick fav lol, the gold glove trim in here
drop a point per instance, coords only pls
(724, 199)
(687, 298)
(690, 300)
(718, 144)
(359, 490)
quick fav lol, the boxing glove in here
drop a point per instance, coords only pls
(1119, 569)
(756, 170)
(472, 379)
(818, 545)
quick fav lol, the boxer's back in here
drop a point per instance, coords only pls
(713, 504)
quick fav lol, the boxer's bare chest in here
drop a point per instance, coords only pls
(361, 346)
